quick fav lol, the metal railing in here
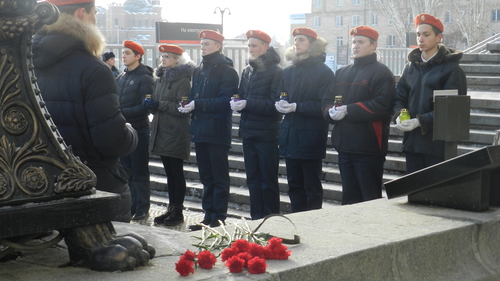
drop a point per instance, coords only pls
(481, 46)
(394, 58)
(152, 55)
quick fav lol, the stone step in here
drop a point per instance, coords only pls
(239, 196)
(485, 83)
(475, 69)
(238, 178)
(480, 59)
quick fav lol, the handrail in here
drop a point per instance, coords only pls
(481, 46)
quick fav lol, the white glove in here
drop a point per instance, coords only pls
(338, 113)
(285, 107)
(408, 125)
(187, 108)
(238, 105)
(398, 121)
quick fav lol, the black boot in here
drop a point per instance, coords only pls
(176, 217)
(161, 218)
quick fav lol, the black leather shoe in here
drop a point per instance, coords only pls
(176, 216)
(139, 216)
(160, 219)
(195, 227)
(216, 223)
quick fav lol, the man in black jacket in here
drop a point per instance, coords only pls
(431, 66)
(134, 84)
(259, 124)
(80, 93)
(361, 125)
(214, 82)
(303, 132)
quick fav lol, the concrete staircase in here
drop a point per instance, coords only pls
(482, 70)
(485, 120)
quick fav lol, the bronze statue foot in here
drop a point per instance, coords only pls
(97, 247)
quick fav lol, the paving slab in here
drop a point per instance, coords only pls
(376, 240)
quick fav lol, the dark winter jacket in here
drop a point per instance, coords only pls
(415, 92)
(367, 88)
(259, 87)
(214, 83)
(80, 93)
(133, 86)
(303, 133)
(170, 128)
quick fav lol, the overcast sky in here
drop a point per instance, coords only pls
(270, 16)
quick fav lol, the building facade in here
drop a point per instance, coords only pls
(466, 22)
(133, 20)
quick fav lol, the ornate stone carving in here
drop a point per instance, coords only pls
(30, 142)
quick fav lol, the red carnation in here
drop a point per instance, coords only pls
(257, 265)
(275, 250)
(188, 255)
(184, 267)
(256, 250)
(235, 264)
(242, 245)
(246, 257)
(227, 253)
(206, 259)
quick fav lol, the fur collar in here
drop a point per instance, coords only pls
(89, 34)
(317, 48)
(269, 58)
(174, 73)
(444, 54)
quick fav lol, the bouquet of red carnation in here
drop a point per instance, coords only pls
(187, 261)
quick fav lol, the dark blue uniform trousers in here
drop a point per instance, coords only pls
(418, 161)
(261, 166)
(213, 166)
(361, 177)
(138, 163)
(304, 183)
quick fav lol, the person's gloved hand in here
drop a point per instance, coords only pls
(150, 105)
(398, 121)
(187, 108)
(338, 113)
(238, 105)
(284, 107)
(408, 125)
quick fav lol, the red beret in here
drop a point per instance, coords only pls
(210, 34)
(429, 19)
(134, 46)
(69, 2)
(365, 31)
(169, 48)
(261, 35)
(305, 31)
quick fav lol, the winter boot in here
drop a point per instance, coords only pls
(176, 217)
(161, 218)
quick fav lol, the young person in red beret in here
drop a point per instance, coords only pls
(260, 123)
(361, 125)
(431, 66)
(80, 93)
(303, 132)
(170, 128)
(214, 83)
(134, 84)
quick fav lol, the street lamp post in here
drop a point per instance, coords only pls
(222, 11)
(126, 32)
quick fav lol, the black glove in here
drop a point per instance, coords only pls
(150, 105)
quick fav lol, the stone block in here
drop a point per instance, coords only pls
(462, 182)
